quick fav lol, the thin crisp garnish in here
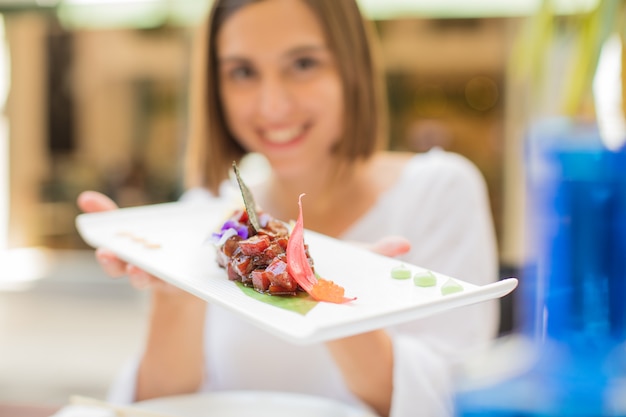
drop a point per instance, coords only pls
(248, 200)
(299, 268)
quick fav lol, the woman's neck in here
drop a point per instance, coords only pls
(332, 204)
(328, 198)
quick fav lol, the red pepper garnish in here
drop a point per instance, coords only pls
(300, 270)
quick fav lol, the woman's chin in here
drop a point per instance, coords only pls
(291, 167)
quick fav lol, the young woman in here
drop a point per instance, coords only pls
(296, 81)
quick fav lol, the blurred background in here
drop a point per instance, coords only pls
(93, 96)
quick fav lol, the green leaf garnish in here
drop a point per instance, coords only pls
(301, 303)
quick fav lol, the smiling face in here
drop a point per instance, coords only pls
(279, 84)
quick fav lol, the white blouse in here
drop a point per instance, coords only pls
(441, 205)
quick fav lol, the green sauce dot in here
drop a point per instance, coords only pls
(400, 272)
(425, 279)
(451, 287)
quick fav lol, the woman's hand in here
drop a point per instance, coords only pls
(390, 246)
(366, 360)
(172, 362)
(92, 202)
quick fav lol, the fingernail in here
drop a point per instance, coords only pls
(106, 262)
(133, 271)
(140, 282)
(104, 257)
(138, 278)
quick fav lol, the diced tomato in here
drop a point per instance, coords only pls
(277, 267)
(280, 277)
(278, 290)
(232, 274)
(231, 245)
(277, 227)
(283, 242)
(254, 245)
(243, 216)
(272, 252)
(241, 265)
(260, 280)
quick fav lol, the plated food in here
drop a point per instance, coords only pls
(184, 260)
(256, 258)
(270, 258)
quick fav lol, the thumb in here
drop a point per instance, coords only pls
(391, 246)
(92, 201)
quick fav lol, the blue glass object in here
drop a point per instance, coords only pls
(573, 294)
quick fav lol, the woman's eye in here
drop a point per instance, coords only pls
(241, 73)
(305, 63)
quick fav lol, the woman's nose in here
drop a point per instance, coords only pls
(275, 99)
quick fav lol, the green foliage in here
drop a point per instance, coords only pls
(577, 39)
(301, 303)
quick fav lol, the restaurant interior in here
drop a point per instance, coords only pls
(93, 95)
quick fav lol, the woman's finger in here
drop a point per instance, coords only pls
(138, 278)
(142, 280)
(391, 246)
(93, 201)
(112, 265)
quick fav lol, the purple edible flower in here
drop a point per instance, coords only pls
(229, 228)
(242, 229)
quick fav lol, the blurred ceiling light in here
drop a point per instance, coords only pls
(17, 5)
(375, 9)
(389, 9)
(151, 13)
(47, 3)
(130, 13)
(106, 2)
(112, 13)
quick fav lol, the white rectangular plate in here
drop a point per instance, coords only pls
(168, 241)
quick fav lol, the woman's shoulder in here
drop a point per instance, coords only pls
(442, 160)
(436, 178)
(434, 165)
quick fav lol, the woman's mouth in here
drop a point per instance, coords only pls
(284, 135)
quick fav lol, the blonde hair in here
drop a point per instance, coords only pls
(211, 148)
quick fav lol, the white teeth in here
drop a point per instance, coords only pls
(282, 135)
